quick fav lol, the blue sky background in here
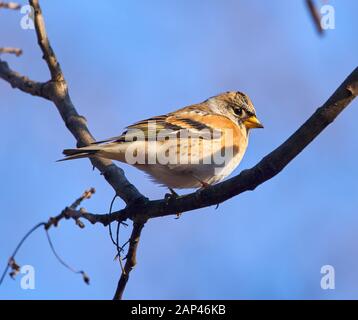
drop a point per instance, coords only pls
(128, 60)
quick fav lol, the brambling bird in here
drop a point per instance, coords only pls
(192, 147)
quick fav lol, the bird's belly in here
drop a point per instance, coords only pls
(181, 176)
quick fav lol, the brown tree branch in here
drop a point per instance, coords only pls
(22, 83)
(70, 212)
(104, 219)
(10, 5)
(15, 51)
(314, 15)
(131, 259)
(43, 42)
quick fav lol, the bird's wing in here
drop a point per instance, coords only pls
(195, 121)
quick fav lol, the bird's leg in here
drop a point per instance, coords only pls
(205, 185)
(170, 196)
(173, 193)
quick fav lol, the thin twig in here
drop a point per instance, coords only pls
(23, 83)
(18, 248)
(315, 16)
(86, 195)
(131, 260)
(43, 42)
(15, 51)
(71, 212)
(115, 242)
(119, 248)
(10, 5)
(109, 225)
(65, 264)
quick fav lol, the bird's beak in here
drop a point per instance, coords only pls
(252, 123)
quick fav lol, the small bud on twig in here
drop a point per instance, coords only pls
(15, 268)
(80, 223)
(86, 278)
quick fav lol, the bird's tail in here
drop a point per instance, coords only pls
(113, 150)
(85, 152)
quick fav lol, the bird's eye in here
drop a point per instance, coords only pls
(238, 112)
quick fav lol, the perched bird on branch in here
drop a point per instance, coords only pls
(192, 147)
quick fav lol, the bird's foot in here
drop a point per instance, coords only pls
(204, 185)
(171, 196)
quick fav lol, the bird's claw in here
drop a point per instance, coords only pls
(172, 196)
(204, 185)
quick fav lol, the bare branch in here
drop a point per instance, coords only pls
(86, 195)
(85, 277)
(16, 51)
(21, 82)
(315, 16)
(70, 212)
(131, 259)
(10, 5)
(48, 54)
(104, 219)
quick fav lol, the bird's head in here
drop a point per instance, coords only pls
(239, 106)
